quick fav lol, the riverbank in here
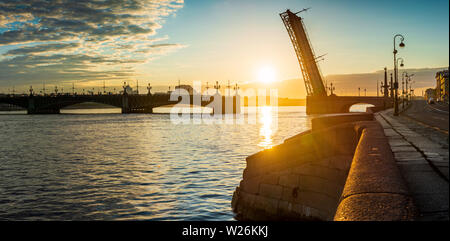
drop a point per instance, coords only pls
(341, 169)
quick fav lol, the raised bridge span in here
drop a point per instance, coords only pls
(318, 101)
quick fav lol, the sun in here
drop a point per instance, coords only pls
(266, 75)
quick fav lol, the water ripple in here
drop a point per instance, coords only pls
(127, 167)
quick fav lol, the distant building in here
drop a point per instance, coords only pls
(442, 86)
(430, 93)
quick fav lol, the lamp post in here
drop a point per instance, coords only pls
(331, 88)
(397, 86)
(149, 88)
(408, 80)
(401, 45)
(403, 88)
(217, 87)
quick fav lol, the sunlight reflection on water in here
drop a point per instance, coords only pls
(266, 118)
(137, 166)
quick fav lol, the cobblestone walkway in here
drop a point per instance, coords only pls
(423, 159)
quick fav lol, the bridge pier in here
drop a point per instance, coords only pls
(31, 109)
(44, 111)
(125, 107)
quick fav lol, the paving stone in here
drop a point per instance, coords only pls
(403, 149)
(390, 133)
(399, 142)
(407, 155)
(434, 216)
(444, 171)
(428, 188)
(425, 182)
(413, 161)
(437, 202)
(416, 167)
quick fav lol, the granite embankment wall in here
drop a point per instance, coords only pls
(341, 169)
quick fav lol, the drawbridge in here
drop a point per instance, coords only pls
(317, 100)
(305, 53)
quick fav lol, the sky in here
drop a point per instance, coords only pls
(163, 41)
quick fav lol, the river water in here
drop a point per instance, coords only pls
(108, 166)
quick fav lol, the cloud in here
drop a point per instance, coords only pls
(58, 39)
(60, 68)
(41, 48)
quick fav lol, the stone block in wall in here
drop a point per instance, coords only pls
(269, 190)
(271, 178)
(340, 162)
(248, 198)
(287, 194)
(310, 212)
(301, 158)
(324, 170)
(289, 180)
(325, 142)
(317, 200)
(321, 185)
(284, 207)
(269, 205)
(250, 185)
(347, 141)
(339, 119)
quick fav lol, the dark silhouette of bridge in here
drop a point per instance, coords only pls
(342, 104)
(129, 103)
(318, 101)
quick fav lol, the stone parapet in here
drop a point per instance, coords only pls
(307, 177)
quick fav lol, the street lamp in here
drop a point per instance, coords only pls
(397, 86)
(401, 45)
(403, 88)
(331, 88)
(411, 90)
(408, 80)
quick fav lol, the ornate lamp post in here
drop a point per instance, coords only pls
(149, 88)
(408, 80)
(403, 87)
(217, 87)
(124, 88)
(236, 89)
(332, 89)
(401, 45)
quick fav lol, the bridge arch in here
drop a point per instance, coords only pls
(21, 102)
(360, 107)
(90, 107)
(8, 107)
(87, 104)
